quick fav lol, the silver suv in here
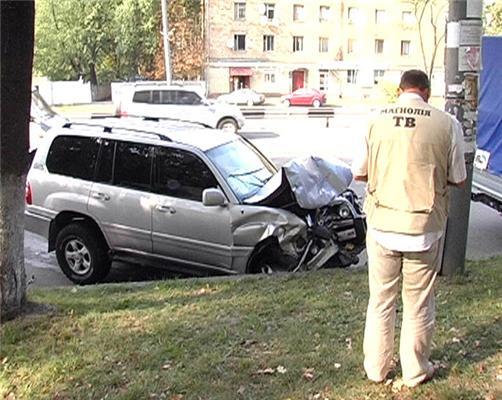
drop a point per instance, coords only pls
(176, 195)
(159, 100)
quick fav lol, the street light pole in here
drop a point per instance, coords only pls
(165, 33)
(463, 43)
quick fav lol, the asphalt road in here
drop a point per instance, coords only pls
(281, 140)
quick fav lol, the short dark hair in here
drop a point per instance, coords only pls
(414, 79)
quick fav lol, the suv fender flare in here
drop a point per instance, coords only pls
(65, 218)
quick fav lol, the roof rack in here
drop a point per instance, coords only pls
(109, 129)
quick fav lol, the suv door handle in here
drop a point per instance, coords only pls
(164, 208)
(100, 196)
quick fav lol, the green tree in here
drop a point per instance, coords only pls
(493, 18)
(95, 39)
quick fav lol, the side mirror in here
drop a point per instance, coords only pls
(213, 197)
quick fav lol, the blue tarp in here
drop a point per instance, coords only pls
(489, 136)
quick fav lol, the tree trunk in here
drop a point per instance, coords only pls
(17, 27)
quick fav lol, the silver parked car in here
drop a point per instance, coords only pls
(243, 97)
(178, 195)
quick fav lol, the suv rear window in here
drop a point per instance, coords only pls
(73, 156)
(142, 96)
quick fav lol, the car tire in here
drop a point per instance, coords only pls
(82, 254)
(287, 103)
(266, 259)
(316, 103)
(228, 124)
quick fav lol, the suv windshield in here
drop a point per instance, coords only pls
(243, 167)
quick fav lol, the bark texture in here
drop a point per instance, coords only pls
(17, 27)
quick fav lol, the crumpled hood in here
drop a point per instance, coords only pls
(312, 182)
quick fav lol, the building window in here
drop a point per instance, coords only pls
(353, 15)
(268, 43)
(352, 76)
(269, 11)
(297, 43)
(269, 77)
(324, 80)
(380, 16)
(324, 13)
(378, 75)
(351, 46)
(239, 42)
(297, 12)
(239, 11)
(405, 47)
(407, 18)
(323, 44)
(378, 46)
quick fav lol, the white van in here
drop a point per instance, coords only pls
(179, 103)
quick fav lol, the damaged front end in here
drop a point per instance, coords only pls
(323, 225)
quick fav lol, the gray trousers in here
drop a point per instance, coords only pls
(419, 271)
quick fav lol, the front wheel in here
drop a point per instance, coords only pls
(287, 103)
(82, 254)
(228, 124)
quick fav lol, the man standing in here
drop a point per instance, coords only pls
(412, 151)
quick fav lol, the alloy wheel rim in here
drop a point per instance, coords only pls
(77, 256)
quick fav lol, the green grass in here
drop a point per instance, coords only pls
(216, 338)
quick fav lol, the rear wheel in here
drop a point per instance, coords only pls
(82, 254)
(228, 124)
(316, 103)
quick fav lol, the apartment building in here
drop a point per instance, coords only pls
(344, 48)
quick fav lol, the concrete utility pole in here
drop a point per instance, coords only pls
(165, 33)
(463, 44)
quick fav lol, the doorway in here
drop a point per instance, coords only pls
(298, 79)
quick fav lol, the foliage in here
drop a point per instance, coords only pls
(94, 39)
(493, 16)
(264, 337)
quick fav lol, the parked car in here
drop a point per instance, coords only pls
(179, 103)
(191, 198)
(243, 96)
(305, 97)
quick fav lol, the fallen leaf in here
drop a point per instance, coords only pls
(4, 360)
(348, 342)
(398, 385)
(388, 382)
(338, 366)
(308, 374)
(265, 371)
(241, 390)
(280, 369)
(455, 340)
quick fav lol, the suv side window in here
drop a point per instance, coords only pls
(104, 170)
(142, 96)
(187, 98)
(133, 165)
(168, 97)
(179, 173)
(73, 156)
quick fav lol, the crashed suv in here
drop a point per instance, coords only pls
(181, 196)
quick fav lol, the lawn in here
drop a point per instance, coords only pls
(282, 337)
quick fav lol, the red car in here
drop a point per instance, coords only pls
(305, 97)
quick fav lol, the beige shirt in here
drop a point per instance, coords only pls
(456, 174)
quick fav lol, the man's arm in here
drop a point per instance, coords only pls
(457, 174)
